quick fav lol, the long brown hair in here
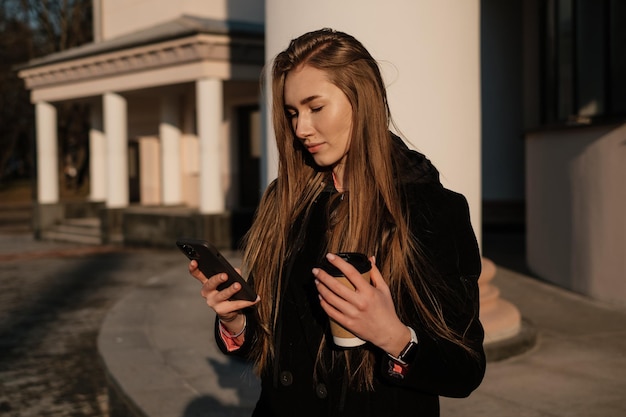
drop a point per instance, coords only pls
(372, 194)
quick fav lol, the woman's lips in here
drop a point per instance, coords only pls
(313, 148)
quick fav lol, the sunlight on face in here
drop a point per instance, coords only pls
(320, 114)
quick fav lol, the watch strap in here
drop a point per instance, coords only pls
(406, 353)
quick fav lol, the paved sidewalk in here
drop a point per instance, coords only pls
(24, 247)
(157, 346)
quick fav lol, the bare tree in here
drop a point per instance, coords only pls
(31, 29)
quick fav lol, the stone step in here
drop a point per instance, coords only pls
(16, 217)
(13, 218)
(85, 230)
(13, 210)
(71, 237)
(84, 223)
(77, 230)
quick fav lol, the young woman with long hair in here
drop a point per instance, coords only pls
(347, 184)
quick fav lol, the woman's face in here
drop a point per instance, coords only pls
(320, 114)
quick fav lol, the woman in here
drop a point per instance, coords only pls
(346, 184)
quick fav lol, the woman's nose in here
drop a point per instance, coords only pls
(304, 127)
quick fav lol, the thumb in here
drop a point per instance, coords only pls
(375, 276)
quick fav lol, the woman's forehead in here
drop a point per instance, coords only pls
(306, 82)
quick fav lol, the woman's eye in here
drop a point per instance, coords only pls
(290, 115)
(316, 109)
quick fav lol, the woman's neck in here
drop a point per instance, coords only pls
(338, 180)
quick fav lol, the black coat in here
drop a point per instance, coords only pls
(439, 218)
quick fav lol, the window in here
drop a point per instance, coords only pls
(583, 60)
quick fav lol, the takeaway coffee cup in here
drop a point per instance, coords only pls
(341, 336)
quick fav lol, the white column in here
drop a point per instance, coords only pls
(97, 156)
(47, 153)
(115, 128)
(429, 54)
(209, 103)
(169, 132)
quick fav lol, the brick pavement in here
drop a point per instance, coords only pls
(53, 299)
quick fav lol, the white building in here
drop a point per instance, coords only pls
(173, 89)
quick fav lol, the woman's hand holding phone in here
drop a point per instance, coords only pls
(228, 310)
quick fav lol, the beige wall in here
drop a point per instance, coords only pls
(576, 209)
(120, 17)
(149, 170)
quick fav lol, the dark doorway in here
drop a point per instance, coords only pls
(133, 172)
(249, 162)
(249, 136)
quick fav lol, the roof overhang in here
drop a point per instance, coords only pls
(181, 51)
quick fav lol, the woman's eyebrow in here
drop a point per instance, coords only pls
(304, 101)
(309, 99)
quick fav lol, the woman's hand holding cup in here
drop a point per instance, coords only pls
(367, 311)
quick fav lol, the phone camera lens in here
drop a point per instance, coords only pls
(189, 251)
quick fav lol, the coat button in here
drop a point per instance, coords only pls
(286, 378)
(321, 391)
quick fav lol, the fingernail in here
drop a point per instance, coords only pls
(330, 256)
(315, 271)
(317, 282)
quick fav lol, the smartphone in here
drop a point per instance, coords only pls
(211, 262)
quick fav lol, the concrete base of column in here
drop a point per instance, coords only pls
(506, 334)
(111, 225)
(500, 318)
(46, 216)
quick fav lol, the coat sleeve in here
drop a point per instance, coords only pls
(244, 349)
(439, 219)
(249, 335)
